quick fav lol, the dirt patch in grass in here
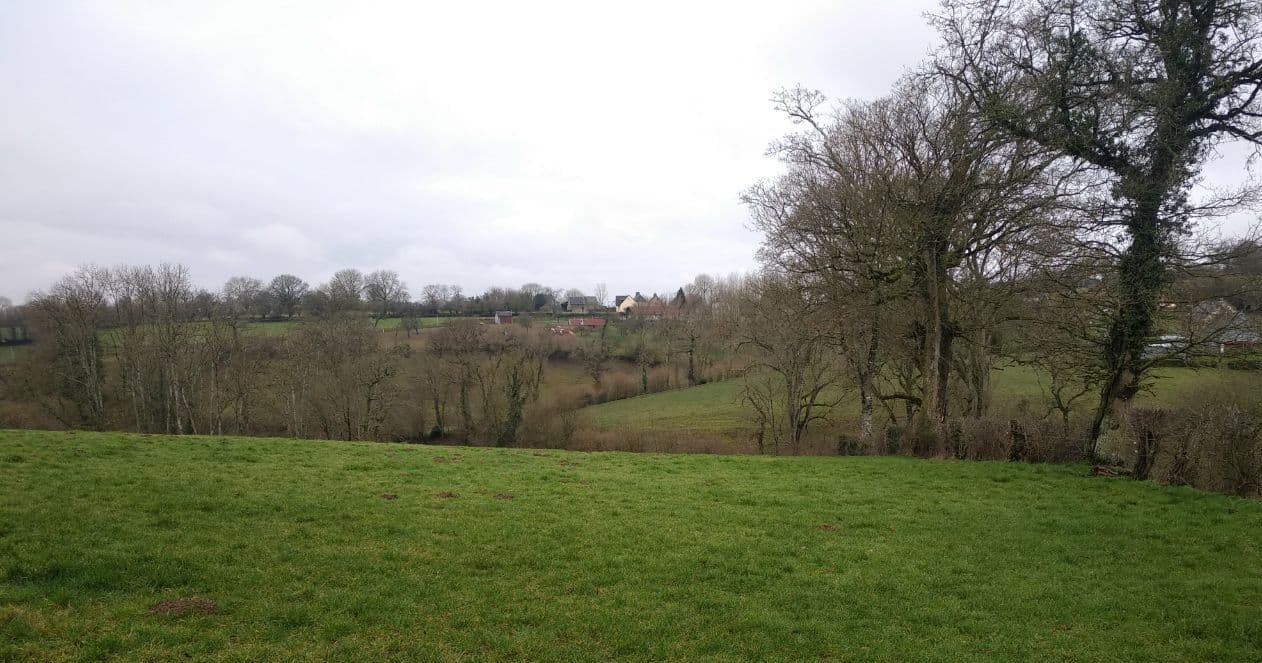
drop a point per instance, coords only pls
(503, 496)
(828, 527)
(447, 494)
(389, 496)
(188, 605)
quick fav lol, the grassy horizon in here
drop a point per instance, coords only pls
(335, 551)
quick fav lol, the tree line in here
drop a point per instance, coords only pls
(141, 348)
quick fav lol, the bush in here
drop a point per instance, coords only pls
(985, 439)
(1146, 428)
(1245, 364)
(1024, 438)
(1213, 443)
(850, 445)
(1051, 442)
(892, 440)
(923, 440)
(1229, 439)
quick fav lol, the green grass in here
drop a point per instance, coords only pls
(12, 353)
(604, 556)
(716, 407)
(711, 408)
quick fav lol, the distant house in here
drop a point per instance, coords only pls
(680, 300)
(586, 323)
(503, 318)
(1224, 326)
(653, 307)
(624, 303)
(584, 304)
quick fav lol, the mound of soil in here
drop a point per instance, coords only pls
(189, 605)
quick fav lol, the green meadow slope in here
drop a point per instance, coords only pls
(716, 407)
(136, 548)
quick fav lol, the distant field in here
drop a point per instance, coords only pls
(280, 327)
(716, 408)
(12, 353)
(390, 324)
(277, 327)
(147, 548)
(712, 408)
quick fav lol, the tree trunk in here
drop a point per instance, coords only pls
(939, 335)
(1141, 277)
(867, 388)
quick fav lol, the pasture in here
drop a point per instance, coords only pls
(716, 408)
(129, 547)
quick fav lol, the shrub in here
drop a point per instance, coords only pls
(1182, 462)
(1146, 428)
(892, 439)
(1244, 364)
(923, 440)
(956, 445)
(1214, 443)
(985, 439)
(849, 445)
(1232, 445)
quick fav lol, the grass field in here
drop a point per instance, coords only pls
(12, 353)
(326, 551)
(716, 408)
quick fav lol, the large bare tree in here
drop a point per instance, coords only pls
(1139, 90)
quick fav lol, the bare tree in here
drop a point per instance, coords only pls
(70, 318)
(345, 290)
(595, 352)
(456, 349)
(1139, 90)
(343, 383)
(245, 296)
(287, 292)
(386, 293)
(792, 380)
(701, 290)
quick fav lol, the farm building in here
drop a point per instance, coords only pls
(503, 318)
(584, 304)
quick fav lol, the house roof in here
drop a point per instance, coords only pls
(586, 300)
(1228, 324)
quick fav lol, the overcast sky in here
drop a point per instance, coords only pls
(477, 143)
